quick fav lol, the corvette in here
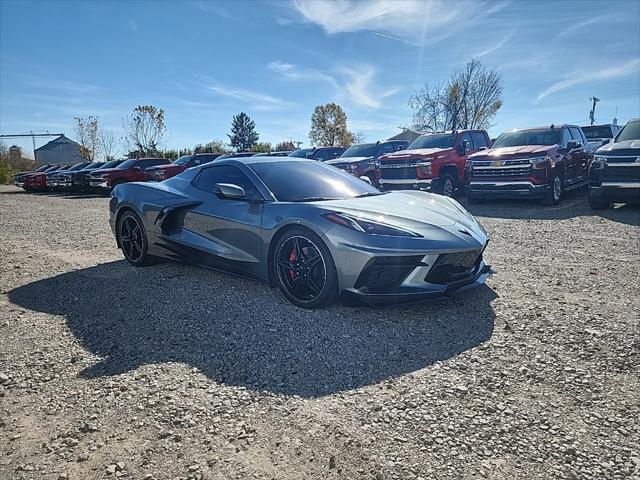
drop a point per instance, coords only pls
(314, 231)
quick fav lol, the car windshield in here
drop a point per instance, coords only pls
(127, 164)
(42, 168)
(314, 181)
(183, 160)
(302, 153)
(597, 132)
(364, 150)
(434, 141)
(111, 164)
(631, 131)
(79, 166)
(93, 166)
(517, 138)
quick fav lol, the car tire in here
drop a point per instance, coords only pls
(132, 238)
(596, 204)
(306, 287)
(554, 194)
(445, 185)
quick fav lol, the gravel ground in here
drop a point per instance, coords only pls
(175, 372)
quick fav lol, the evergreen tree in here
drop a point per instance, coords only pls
(243, 132)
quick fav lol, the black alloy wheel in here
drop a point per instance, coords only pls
(305, 270)
(133, 239)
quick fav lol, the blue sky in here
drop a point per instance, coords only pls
(205, 61)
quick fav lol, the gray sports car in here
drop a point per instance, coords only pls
(314, 231)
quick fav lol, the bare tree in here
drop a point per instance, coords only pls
(144, 130)
(358, 138)
(107, 144)
(470, 99)
(87, 133)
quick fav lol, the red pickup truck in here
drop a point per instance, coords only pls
(434, 162)
(131, 170)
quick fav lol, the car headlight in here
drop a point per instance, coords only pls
(368, 226)
(425, 167)
(600, 158)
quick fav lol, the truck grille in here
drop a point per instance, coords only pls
(398, 173)
(507, 168)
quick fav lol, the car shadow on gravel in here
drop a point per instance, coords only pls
(574, 205)
(242, 332)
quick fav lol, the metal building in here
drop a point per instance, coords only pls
(61, 150)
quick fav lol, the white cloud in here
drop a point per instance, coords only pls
(360, 88)
(579, 77)
(497, 46)
(425, 21)
(355, 84)
(259, 101)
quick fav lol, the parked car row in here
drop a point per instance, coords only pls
(538, 162)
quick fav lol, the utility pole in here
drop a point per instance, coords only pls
(592, 113)
(33, 138)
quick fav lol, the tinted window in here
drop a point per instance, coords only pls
(364, 150)
(202, 159)
(112, 164)
(182, 160)
(597, 131)
(631, 131)
(302, 153)
(388, 148)
(517, 138)
(209, 176)
(576, 135)
(127, 164)
(313, 181)
(479, 140)
(434, 141)
(466, 136)
(324, 154)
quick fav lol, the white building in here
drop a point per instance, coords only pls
(61, 150)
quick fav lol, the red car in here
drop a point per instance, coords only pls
(433, 162)
(37, 181)
(131, 170)
(162, 172)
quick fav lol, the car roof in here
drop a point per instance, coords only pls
(264, 159)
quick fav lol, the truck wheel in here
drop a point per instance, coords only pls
(554, 194)
(596, 204)
(445, 185)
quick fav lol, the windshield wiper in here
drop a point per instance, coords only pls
(370, 194)
(311, 199)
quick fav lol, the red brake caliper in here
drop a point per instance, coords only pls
(292, 258)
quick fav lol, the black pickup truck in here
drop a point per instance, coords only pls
(614, 175)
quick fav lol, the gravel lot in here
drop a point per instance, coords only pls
(176, 372)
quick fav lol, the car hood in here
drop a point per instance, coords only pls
(416, 152)
(626, 145)
(520, 151)
(396, 207)
(341, 160)
(425, 213)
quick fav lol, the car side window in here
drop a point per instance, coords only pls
(210, 176)
(387, 148)
(576, 135)
(323, 155)
(466, 136)
(565, 137)
(479, 140)
(400, 146)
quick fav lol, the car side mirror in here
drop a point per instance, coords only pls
(573, 144)
(364, 178)
(230, 191)
(482, 148)
(606, 140)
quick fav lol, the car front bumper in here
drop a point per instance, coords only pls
(406, 184)
(506, 188)
(428, 291)
(618, 191)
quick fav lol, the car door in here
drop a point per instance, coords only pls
(579, 156)
(226, 232)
